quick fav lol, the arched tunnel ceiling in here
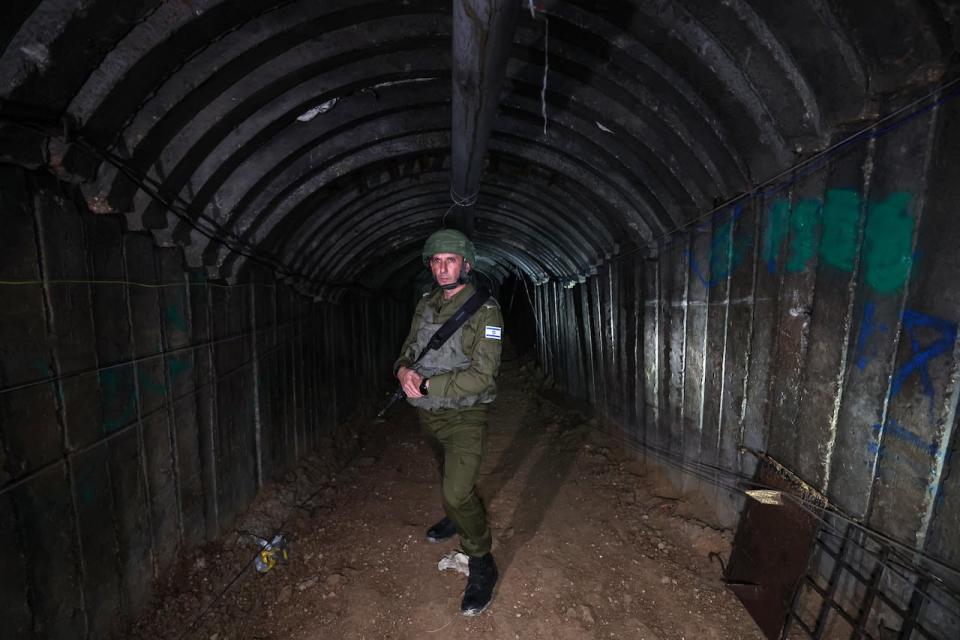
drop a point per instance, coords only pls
(317, 134)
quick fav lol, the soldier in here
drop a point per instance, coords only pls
(452, 388)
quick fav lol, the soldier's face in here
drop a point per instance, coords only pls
(446, 267)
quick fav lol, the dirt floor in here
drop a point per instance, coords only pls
(589, 543)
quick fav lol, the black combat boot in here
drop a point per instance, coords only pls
(479, 591)
(441, 531)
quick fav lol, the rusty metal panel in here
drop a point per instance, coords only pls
(771, 549)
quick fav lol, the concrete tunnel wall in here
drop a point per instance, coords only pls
(138, 421)
(814, 321)
(298, 151)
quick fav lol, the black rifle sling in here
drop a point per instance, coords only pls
(454, 322)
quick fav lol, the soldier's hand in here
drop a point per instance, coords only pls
(410, 382)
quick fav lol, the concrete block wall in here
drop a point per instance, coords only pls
(136, 419)
(816, 321)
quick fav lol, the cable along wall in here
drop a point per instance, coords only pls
(814, 321)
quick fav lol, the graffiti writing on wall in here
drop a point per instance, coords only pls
(929, 338)
(119, 394)
(929, 452)
(795, 236)
(727, 253)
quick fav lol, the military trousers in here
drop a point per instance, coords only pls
(459, 440)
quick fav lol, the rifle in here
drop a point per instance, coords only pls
(395, 397)
(440, 336)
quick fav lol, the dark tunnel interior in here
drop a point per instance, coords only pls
(727, 231)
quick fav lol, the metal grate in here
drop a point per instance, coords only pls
(857, 587)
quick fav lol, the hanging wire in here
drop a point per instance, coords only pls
(459, 201)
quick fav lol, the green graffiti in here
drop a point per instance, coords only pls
(174, 313)
(721, 250)
(149, 384)
(887, 243)
(727, 252)
(841, 212)
(804, 227)
(778, 227)
(119, 403)
(830, 230)
(177, 366)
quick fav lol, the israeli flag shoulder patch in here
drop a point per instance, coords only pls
(492, 333)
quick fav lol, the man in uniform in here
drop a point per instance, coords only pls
(452, 388)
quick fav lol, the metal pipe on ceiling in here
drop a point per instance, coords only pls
(482, 37)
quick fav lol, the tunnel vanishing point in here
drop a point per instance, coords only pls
(732, 226)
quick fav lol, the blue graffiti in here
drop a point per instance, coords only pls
(918, 363)
(867, 329)
(925, 477)
(898, 432)
(727, 253)
(921, 354)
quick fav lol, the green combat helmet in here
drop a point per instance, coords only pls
(450, 241)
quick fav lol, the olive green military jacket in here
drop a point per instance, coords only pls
(463, 371)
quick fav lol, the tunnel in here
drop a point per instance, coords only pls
(723, 236)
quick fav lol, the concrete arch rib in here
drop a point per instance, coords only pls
(784, 60)
(506, 255)
(225, 39)
(385, 259)
(586, 88)
(406, 266)
(309, 233)
(553, 253)
(369, 234)
(250, 191)
(306, 183)
(269, 198)
(203, 169)
(264, 198)
(662, 184)
(630, 52)
(633, 226)
(377, 204)
(221, 161)
(192, 119)
(709, 52)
